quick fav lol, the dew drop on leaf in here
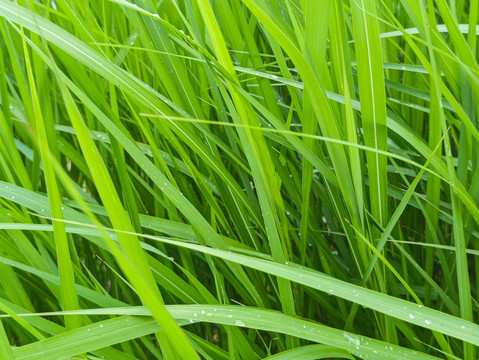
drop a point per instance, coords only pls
(240, 323)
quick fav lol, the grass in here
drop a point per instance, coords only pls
(239, 179)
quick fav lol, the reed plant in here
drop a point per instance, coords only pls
(239, 179)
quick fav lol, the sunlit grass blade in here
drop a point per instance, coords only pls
(117, 329)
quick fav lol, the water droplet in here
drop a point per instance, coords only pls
(351, 339)
(101, 325)
(411, 316)
(428, 322)
(230, 316)
(240, 323)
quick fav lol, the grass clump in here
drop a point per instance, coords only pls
(290, 179)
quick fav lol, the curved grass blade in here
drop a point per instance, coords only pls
(386, 304)
(115, 330)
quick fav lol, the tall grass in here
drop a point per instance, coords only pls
(239, 179)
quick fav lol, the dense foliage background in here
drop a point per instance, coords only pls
(239, 179)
